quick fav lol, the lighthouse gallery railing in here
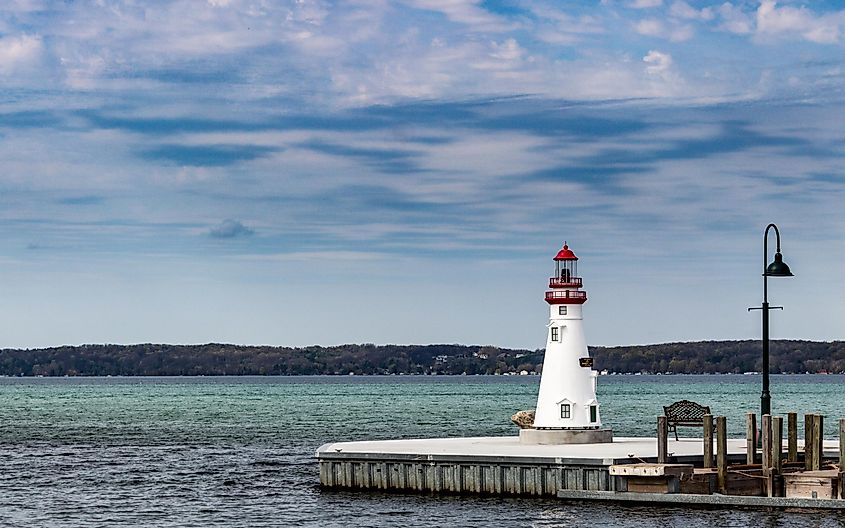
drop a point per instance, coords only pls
(572, 282)
(565, 294)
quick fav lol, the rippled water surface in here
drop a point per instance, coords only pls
(239, 451)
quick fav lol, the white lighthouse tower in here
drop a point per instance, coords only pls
(567, 410)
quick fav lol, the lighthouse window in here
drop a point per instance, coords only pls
(554, 333)
(561, 310)
(565, 410)
(594, 414)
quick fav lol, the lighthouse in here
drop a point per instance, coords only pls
(567, 409)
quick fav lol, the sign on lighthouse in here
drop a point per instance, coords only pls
(567, 409)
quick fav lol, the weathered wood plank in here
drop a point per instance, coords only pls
(818, 441)
(811, 484)
(777, 444)
(808, 441)
(766, 443)
(792, 437)
(842, 444)
(766, 451)
(708, 440)
(750, 438)
(722, 452)
(662, 440)
(842, 458)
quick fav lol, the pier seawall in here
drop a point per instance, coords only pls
(494, 466)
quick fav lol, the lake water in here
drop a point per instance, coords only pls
(238, 452)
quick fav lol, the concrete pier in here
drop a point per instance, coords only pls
(493, 465)
(565, 436)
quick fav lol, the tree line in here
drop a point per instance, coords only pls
(216, 359)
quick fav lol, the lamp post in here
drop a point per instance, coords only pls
(777, 268)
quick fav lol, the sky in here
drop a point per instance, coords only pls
(309, 172)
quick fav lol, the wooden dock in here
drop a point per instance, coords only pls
(709, 501)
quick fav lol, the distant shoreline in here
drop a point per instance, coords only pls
(214, 359)
(338, 377)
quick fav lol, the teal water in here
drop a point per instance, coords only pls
(239, 451)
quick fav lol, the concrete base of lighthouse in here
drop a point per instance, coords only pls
(565, 436)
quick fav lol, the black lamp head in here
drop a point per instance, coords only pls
(778, 268)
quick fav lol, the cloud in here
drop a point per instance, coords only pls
(645, 4)
(24, 6)
(20, 52)
(230, 229)
(436, 133)
(773, 21)
(658, 62)
(682, 9)
(653, 27)
(467, 12)
(649, 26)
(509, 50)
(735, 20)
(316, 55)
(560, 28)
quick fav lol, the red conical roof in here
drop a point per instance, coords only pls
(565, 254)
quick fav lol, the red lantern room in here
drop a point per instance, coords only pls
(566, 283)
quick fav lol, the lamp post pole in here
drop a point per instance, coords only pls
(776, 269)
(765, 397)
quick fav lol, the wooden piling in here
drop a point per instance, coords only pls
(750, 437)
(842, 444)
(766, 451)
(792, 437)
(808, 441)
(722, 453)
(777, 444)
(708, 440)
(662, 440)
(818, 441)
(842, 458)
(766, 444)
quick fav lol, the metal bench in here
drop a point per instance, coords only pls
(685, 413)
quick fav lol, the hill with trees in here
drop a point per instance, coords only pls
(215, 359)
